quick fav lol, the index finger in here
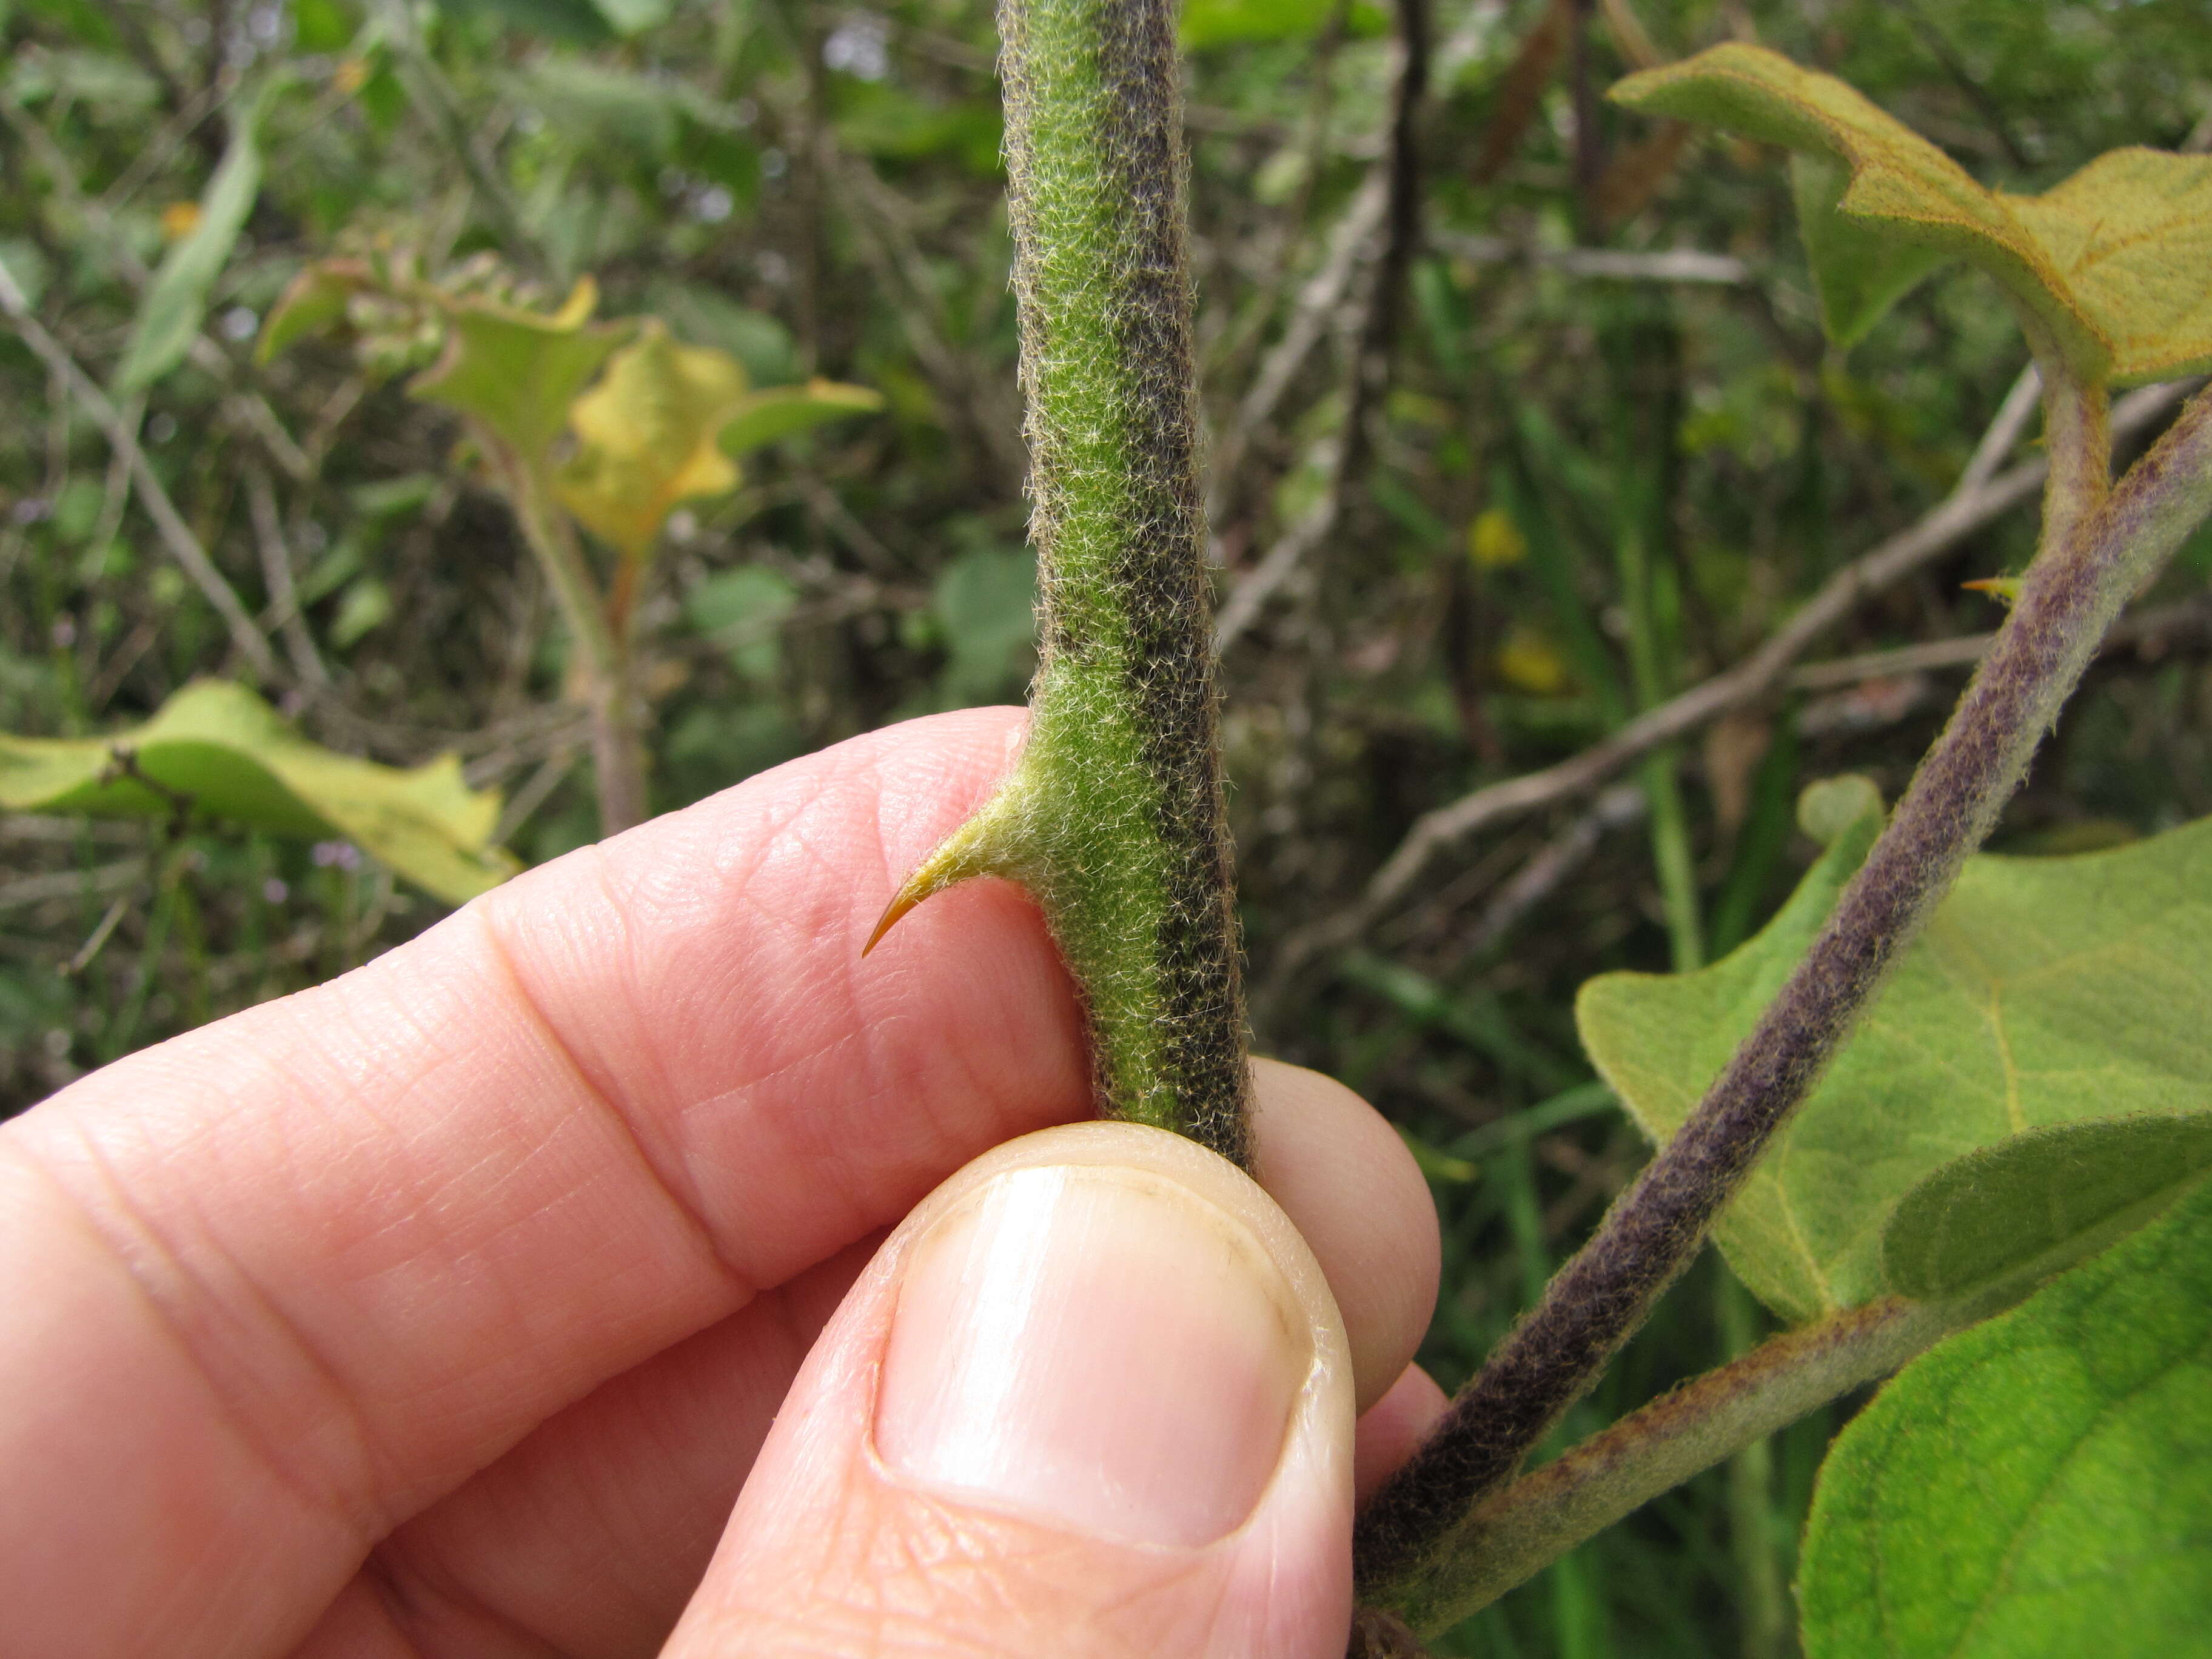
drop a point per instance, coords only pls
(299, 1272)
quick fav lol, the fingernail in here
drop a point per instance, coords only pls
(1095, 1348)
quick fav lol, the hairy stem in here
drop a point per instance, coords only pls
(1113, 818)
(1541, 1516)
(2070, 596)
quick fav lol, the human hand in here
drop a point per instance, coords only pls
(446, 1308)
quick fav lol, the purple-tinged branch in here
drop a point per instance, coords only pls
(2102, 552)
(1542, 1516)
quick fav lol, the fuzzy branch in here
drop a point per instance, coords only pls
(2089, 568)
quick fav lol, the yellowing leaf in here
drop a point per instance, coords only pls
(2115, 263)
(516, 371)
(1494, 541)
(782, 411)
(649, 436)
(239, 761)
(2132, 234)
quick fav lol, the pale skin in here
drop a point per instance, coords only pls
(448, 1308)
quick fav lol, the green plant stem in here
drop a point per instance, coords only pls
(602, 666)
(2093, 560)
(1763, 1600)
(1113, 818)
(1538, 1519)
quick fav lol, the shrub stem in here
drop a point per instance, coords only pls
(2096, 553)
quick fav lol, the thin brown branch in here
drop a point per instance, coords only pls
(176, 535)
(1962, 513)
(277, 574)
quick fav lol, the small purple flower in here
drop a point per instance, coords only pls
(336, 856)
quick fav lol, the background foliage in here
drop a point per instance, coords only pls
(1499, 495)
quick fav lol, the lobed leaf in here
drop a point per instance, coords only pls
(238, 761)
(2044, 992)
(518, 371)
(2115, 263)
(648, 436)
(2040, 1486)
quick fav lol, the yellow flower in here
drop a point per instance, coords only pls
(1494, 541)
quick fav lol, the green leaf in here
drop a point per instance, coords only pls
(2044, 991)
(628, 17)
(646, 438)
(986, 605)
(114, 87)
(242, 763)
(2036, 1200)
(2039, 1487)
(2115, 263)
(1206, 24)
(783, 411)
(176, 301)
(593, 106)
(578, 23)
(312, 302)
(517, 371)
(1858, 273)
(742, 611)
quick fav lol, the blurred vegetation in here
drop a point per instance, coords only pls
(1545, 436)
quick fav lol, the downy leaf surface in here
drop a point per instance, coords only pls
(242, 763)
(2040, 1200)
(2040, 1486)
(2045, 991)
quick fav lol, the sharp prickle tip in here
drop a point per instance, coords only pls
(902, 902)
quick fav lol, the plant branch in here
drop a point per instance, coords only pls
(183, 546)
(1965, 510)
(2069, 597)
(602, 659)
(1542, 1516)
(276, 575)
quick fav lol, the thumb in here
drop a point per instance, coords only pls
(1092, 1398)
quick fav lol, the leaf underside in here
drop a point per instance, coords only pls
(2044, 992)
(2115, 263)
(2039, 1196)
(239, 761)
(2039, 1487)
